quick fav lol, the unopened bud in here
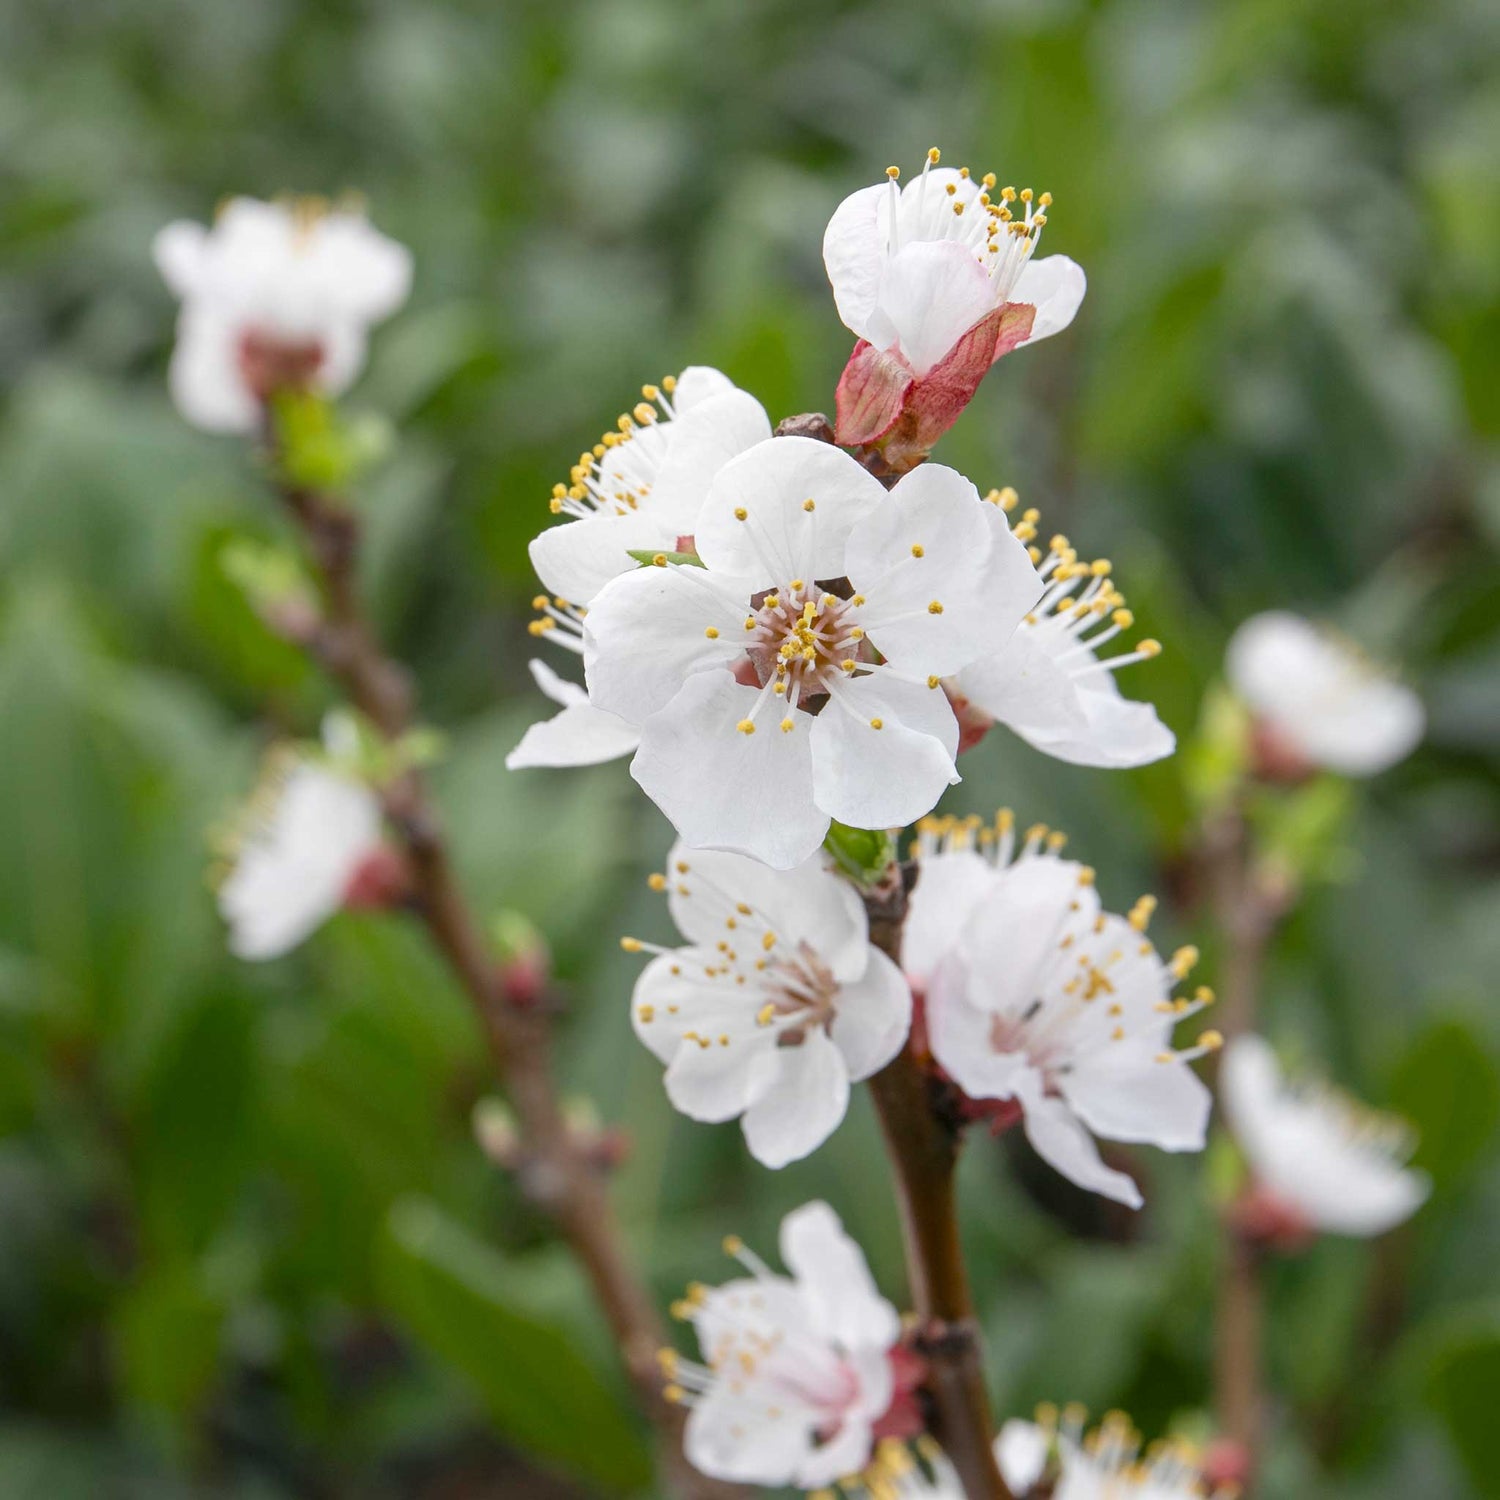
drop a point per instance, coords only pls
(525, 961)
(497, 1133)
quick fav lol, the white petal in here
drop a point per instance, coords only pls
(780, 539)
(704, 439)
(581, 735)
(1117, 733)
(808, 904)
(649, 630)
(716, 1083)
(344, 346)
(928, 543)
(845, 1453)
(803, 1105)
(931, 293)
(1054, 285)
(720, 1443)
(1023, 687)
(1379, 726)
(575, 559)
(1060, 1140)
(750, 794)
(178, 253)
(874, 1017)
(1012, 936)
(886, 777)
(842, 1301)
(948, 888)
(854, 255)
(960, 1035)
(1124, 1094)
(367, 274)
(205, 377)
(696, 385)
(1022, 1450)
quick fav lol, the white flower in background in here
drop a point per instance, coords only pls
(274, 295)
(1318, 701)
(797, 1370)
(776, 1005)
(1325, 1160)
(1048, 684)
(754, 679)
(313, 843)
(641, 486)
(938, 281)
(1034, 994)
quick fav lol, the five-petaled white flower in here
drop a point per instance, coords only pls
(798, 1370)
(1317, 701)
(1034, 994)
(1048, 684)
(313, 843)
(640, 487)
(274, 295)
(938, 282)
(1327, 1163)
(779, 1002)
(795, 677)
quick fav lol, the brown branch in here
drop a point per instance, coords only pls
(923, 1147)
(555, 1169)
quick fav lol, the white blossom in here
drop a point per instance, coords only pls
(311, 830)
(274, 294)
(1333, 1164)
(1034, 994)
(579, 735)
(641, 486)
(797, 1369)
(1049, 684)
(754, 679)
(777, 1003)
(915, 268)
(1319, 698)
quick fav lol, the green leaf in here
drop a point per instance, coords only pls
(167, 1335)
(863, 854)
(455, 1296)
(1463, 1381)
(1449, 1088)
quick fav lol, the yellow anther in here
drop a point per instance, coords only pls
(1056, 840)
(669, 384)
(848, 664)
(660, 560)
(749, 622)
(918, 550)
(746, 726)
(798, 584)
(1184, 960)
(650, 392)
(1045, 200)
(765, 1015)
(787, 726)
(877, 723)
(741, 514)
(936, 607)
(809, 505)
(647, 1013)
(1101, 568)
(644, 414)
(893, 173)
(1213, 1040)
(1149, 648)
(733, 1244)
(673, 1393)
(712, 632)
(934, 156)
(657, 882)
(1123, 618)
(1086, 875)
(630, 944)
(933, 681)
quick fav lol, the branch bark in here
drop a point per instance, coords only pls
(923, 1148)
(555, 1173)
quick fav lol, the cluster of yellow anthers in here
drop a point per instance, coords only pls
(1169, 1467)
(621, 485)
(253, 816)
(997, 207)
(556, 614)
(1078, 592)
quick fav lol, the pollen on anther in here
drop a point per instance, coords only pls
(936, 607)
(877, 723)
(657, 882)
(809, 505)
(630, 944)
(933, 681)
(787, 726)
(918, 550)
(746, 726)
(741, 514)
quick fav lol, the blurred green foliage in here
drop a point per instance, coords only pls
(247, 1247)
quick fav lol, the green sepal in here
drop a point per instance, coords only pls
(650, 559)
(863, 854)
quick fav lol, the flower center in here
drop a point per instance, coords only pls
(800, 992)
(616, 475)
(802, 639)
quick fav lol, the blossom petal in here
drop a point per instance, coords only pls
(961, 1037)
(750, 794)
(205, 377)
(1023, 687)
(1059, 1138)
(577, 558)
(709, 888)
(874, 1017)
(1117, 734)
(1127, 1094)
(178, 253)
(705, 436)
(1054, 285)
(803, 1105)
(781, 538)
(771, 1451)
(948, 888)
(715, 1082)
(842, 1302)
(919, 559)
(650, 629)
(854, 255)
(581, 735)
(931, 293)
(697, 384)
(886, 777)
(1022, 1450)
